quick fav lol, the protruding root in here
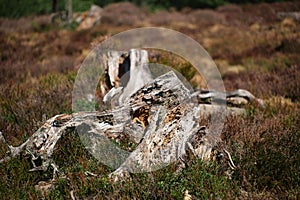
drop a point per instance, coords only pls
(230, 162)
(14, 151)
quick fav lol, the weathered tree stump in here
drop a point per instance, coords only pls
(160, 116)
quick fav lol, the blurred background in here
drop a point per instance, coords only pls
(16, 8)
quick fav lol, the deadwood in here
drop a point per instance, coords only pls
(159, 116)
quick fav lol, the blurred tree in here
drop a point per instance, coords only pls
(54, 6)
(69, 10)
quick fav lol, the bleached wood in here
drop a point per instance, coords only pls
(161, 117)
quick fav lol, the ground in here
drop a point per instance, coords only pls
(254, 49)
